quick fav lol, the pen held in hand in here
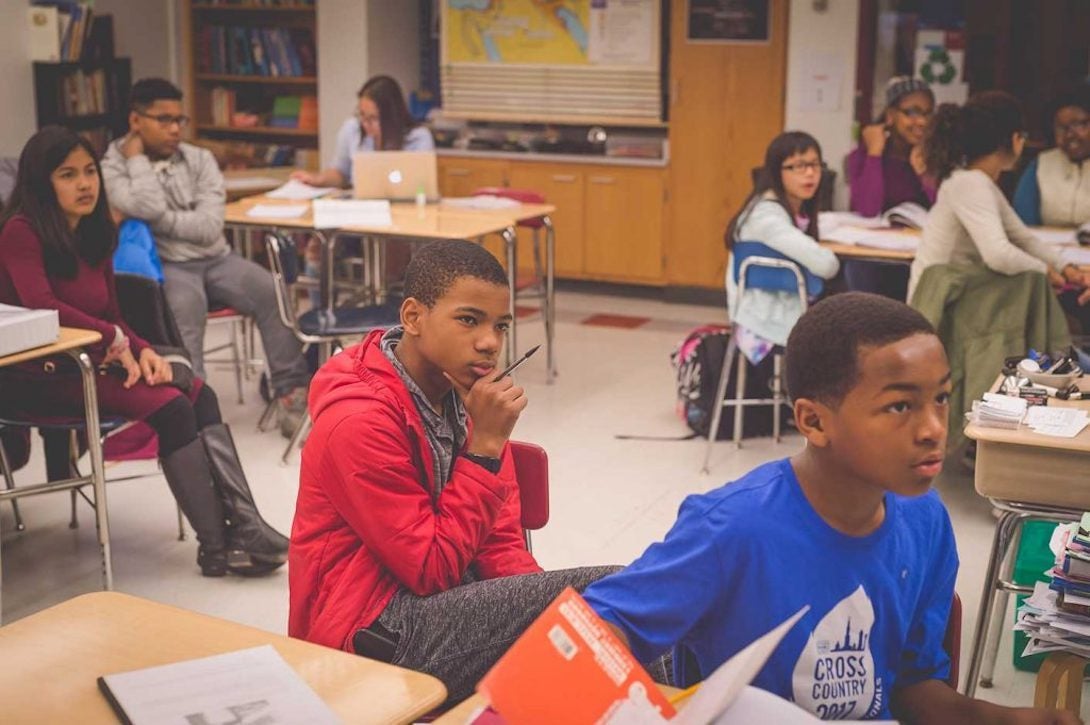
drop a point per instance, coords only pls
(518, 362)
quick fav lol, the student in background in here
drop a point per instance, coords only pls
(887, 169)
(381, 123)
(781, 212)
(848, 527)
(1055, 187)
(56, 252)
(151, 174)
(972, 223)
(407, 544)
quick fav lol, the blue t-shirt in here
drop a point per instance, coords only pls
(748, 555)
(351, 141)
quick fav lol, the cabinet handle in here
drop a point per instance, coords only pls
(602, 180)
(458, 172)
(564, 178)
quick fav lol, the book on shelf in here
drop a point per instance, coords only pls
(262, 3)
(256, 51)
(64, 30)
(84, 94)
(246, 155)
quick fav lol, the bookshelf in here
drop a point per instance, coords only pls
(90, 97)
(253, 80)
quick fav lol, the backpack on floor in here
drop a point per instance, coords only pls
(698, 359)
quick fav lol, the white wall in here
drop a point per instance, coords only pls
(17, 90)
(823, 42)
(142, 31)
(393, 45)
(342, 66)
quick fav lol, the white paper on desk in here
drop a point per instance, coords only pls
(829, 220)
(1055, 236)
(250, 685)
(277, 211)
(721, 688)
(336, 213)
(242, 183)
(893, 241)
(486, 202)
(1057, 422)
(1076, 255)
(298, 191)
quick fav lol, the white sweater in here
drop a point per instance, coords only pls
(772, 314)
(972, 223)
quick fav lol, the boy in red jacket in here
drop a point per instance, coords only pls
(407, 544)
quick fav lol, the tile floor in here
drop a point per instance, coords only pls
(610, 497)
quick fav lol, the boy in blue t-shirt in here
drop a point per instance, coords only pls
(849, 526)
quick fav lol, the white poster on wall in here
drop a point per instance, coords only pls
(940, 60)
(621, 32)
(818, 87)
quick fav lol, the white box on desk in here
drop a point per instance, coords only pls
(23, 329)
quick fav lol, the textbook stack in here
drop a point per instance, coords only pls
(1057, 616)
(295, 112)
(255, 51)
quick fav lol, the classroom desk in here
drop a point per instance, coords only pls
(53, 658)
(71, 342)
(460, 714)
(431, 222)
(239, 183)
(1027, 476)
(874, 254)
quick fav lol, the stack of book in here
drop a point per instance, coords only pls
(295, 112)
(84, 94)
(1057, 616)
(223, 105)
(253, 51)
(999, 411)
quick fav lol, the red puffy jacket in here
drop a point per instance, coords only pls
(367, 521)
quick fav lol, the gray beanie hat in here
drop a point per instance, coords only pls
(900, 86)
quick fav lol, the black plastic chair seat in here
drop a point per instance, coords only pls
(106, 425)
(350, 320)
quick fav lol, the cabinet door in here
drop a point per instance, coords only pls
(462, 177)
(562, 186)
(623, 229)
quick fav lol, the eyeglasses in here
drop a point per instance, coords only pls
(1079, 126)
(166, 120)
(915, 112)
(801, 166)
(366, 119)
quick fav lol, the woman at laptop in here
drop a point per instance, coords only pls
(381, 123)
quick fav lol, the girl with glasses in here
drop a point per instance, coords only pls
(1055, 187)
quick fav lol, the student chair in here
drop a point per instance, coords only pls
(324, 328)
(758, 266)
(532, 473)
(241, 358)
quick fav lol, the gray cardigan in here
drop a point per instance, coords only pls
(182, 201)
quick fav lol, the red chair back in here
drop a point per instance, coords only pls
(523, 196)
(532, 472)
(951, 642)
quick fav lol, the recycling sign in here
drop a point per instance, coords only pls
(938, 68)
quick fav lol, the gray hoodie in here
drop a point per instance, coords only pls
(182, 199)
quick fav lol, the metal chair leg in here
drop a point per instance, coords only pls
(777, 394)
(267, 416)
(721, 393)
(181, 523)
(1008, 522)
(236, 352)
(739, 396)
(9, 481)
(73, 461)
(301, 430)
(999, 612)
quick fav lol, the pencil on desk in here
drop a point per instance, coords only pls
(684, 694)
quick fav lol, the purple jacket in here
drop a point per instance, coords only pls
(880, 183)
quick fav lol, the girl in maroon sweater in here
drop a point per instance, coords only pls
(56, 249)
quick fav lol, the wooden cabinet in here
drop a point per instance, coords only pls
(562, 186)
(608, 219)
(623, 224)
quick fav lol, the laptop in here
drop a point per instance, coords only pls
(394, 175)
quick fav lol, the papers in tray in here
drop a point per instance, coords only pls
(336, 213)
(277, 211)
(250, 685)
(298, 191)
(485, 202)
(23, 329)
(999, 411)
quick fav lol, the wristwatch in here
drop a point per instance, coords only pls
(488, 463)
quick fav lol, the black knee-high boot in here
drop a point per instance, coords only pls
(190, 480)
(264, 547)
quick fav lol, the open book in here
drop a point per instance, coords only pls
(569, 667)
(906, 214)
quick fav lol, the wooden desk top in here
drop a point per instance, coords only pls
(70, 337)
(852, 251)
(55, 656)
(433, 221)
(239, 183)
(1026, 437)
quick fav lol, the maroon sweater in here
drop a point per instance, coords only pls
(88, 300)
